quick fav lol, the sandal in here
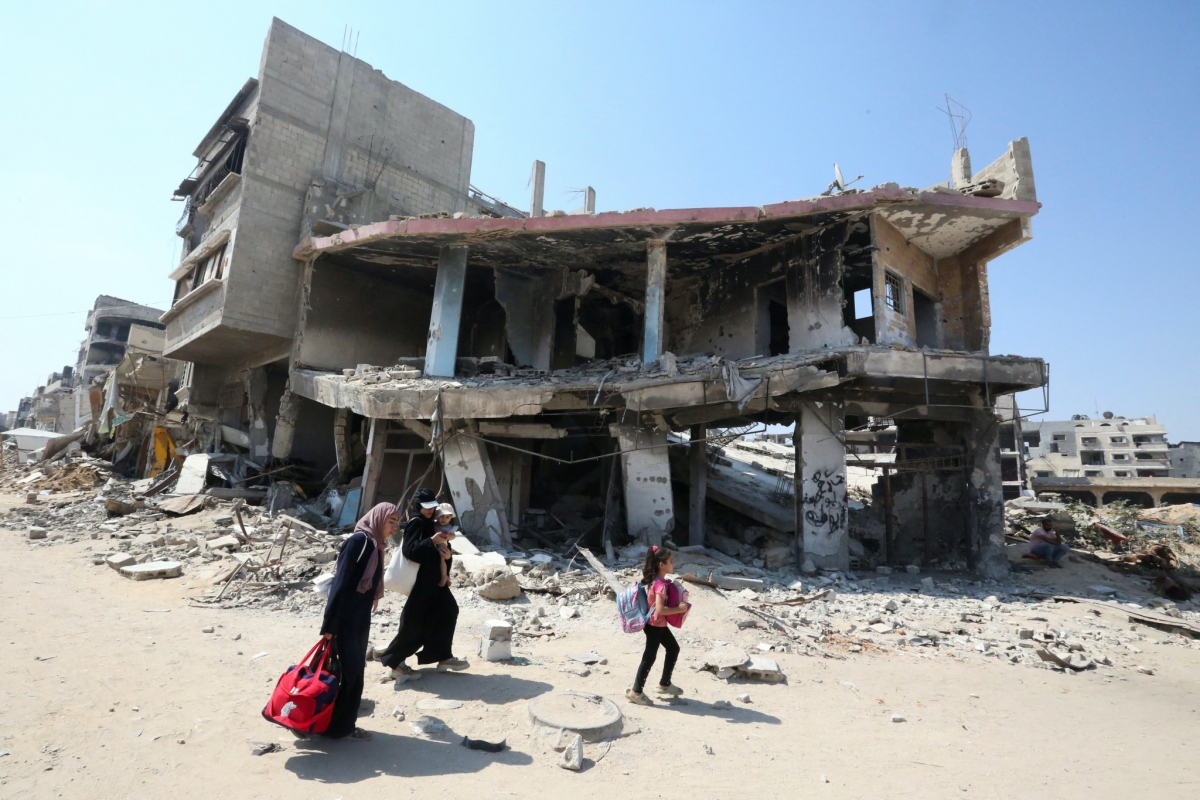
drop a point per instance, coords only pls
(672, 690)
(456, 664)
(360, 735)
(638, 698)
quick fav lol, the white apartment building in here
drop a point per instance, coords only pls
(1111, 447)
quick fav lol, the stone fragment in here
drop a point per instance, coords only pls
(153, 570)
(587, 658)
(912, 569)
(207, 629)
(1025, 633)
(735, 583)
(743, 698)
(1146, 670)
(927, 583)
(899, 718)
(224, 543)
(37, 533)
(568, 612)
(892, 605)
(720, 658)
(493, 650)
(118, 560)
(759, 668)
(497, 630)
(884, 570)
(572, 755)
(499, 584)
(722, 704)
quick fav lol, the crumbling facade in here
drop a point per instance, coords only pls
(317, 142)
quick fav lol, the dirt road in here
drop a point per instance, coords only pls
(113, 690)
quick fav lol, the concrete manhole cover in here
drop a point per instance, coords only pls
(590, 715)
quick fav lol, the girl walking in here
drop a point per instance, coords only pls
(668, 608)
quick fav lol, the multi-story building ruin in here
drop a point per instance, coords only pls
(348, 303)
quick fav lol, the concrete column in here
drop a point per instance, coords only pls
(376, 443)
(1156, 496)
(285, 425)
(985, 494)
(256, 390)
(698, 464)
(536, 208)
(444, 321)
(476, 493)
(649, 505)
(341, 439)
(656, 279)
(821, 468)
(960, 168)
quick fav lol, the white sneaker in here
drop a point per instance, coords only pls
(403, 673)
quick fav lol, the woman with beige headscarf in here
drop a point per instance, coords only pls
(353, 595)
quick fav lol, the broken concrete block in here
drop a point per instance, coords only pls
(119, 560)
(899, 718)
(495, 650)
(497, 630)
(759, 668)
(913, 569)
(568, 612)
(149, 540)
(884, 570)
(572, 755)
(37, 533)
(735, 583)
(500, 584)
(153, 570)
(927, 583)
(224, 543)
(722, 658)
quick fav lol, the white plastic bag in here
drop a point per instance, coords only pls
(322, 583)
(400, 574)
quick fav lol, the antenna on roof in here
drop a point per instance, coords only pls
(959, 117)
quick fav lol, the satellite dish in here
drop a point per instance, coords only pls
(837, 177)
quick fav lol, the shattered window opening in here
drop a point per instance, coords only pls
(893, 292)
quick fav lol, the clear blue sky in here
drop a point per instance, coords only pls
(663, 105)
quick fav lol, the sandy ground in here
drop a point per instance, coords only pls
(113, 690)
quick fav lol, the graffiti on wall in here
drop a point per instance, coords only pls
(825, 502)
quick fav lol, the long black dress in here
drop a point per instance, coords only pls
(431, 612)
(348, 618)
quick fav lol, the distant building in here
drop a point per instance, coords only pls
(1185, 459)
(1100, 461)
(1112, 447)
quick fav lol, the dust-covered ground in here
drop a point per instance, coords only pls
(114, 690)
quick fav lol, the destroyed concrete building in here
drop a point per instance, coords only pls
(355, 314)
(529, 354)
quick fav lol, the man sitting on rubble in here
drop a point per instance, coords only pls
(1047, 544)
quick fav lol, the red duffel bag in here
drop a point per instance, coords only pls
(303, 697)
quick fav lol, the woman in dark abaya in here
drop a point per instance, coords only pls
(353, 595)
(430, 613)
